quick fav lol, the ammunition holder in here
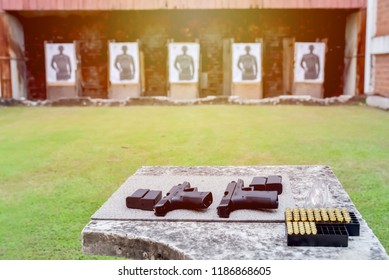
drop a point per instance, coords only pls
(144, 199)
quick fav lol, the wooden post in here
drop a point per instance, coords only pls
(287, 65)
(227, 66)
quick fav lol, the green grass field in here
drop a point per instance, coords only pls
(58, 165)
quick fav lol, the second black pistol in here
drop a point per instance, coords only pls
(237, 197)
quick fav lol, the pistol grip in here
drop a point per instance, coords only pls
(162, 207)
(224, 208)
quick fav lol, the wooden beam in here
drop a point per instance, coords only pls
(54, 5)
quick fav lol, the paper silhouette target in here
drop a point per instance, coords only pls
(246, 63)
(184, 62)
(124, 63)
(309, 62)
(60, 63)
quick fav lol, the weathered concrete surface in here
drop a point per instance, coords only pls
(381, 102)
(115, 208)
(215, 241)
(161, 239)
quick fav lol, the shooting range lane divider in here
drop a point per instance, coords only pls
(135, 192)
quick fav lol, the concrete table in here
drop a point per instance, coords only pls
(115, 230)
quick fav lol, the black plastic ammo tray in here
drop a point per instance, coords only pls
(302, 230)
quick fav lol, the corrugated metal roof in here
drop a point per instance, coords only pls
(31, 5)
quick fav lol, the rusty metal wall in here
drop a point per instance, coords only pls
(12, 61)
(31, 5)
(5, 76)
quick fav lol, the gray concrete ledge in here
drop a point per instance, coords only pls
(378, 102)
(247, 240)
(215, 241)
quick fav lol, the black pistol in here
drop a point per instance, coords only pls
(237, 196)
(182, 196)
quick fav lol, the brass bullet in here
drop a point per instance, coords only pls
(303, 215)
(307, 228)
(346, 215)
(295, 228)
(301, 228)
(296, 215)
(288, 214)
(289, 227)
(313, 228)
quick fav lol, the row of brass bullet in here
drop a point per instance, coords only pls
(339, 215)
(301, 228)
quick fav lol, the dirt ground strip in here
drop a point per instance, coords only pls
(210, 100)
